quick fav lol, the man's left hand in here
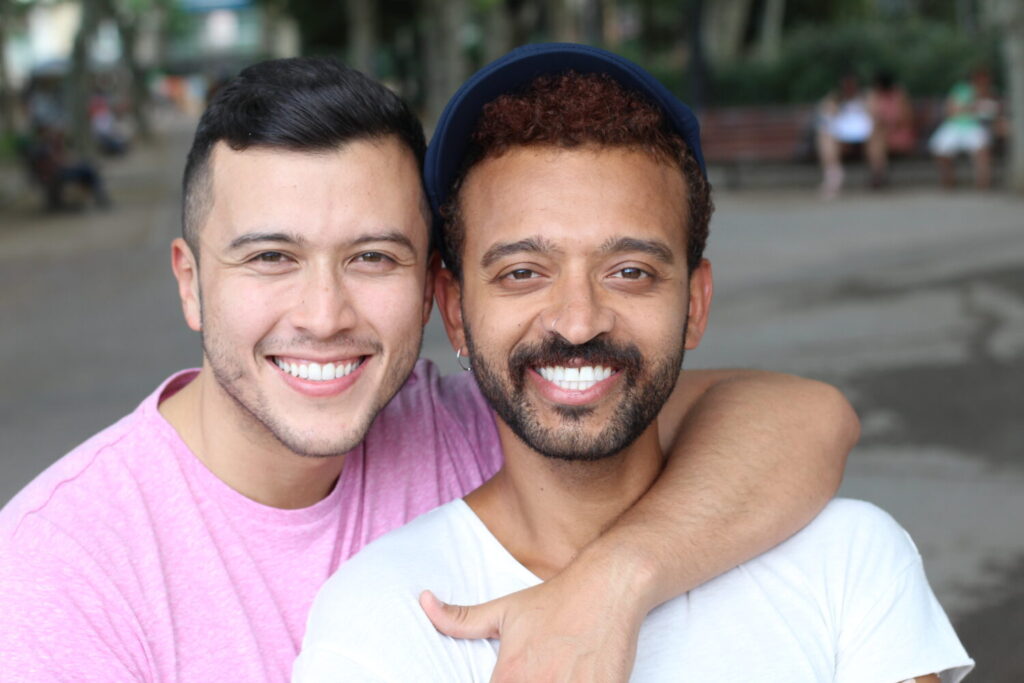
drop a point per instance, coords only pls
(574, 627)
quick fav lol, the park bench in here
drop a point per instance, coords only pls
(738, 138)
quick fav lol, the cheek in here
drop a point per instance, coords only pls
(391, 306)
(240, 309)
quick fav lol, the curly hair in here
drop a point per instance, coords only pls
(573, 110)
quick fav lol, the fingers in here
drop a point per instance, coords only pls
(460, 621)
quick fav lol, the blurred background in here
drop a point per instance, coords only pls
(868, 164)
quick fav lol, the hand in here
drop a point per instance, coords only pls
(571, 628)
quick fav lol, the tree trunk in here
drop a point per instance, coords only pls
(1013, 55)
(525, 18)
(7, 112)
(128, 30)
(647, 30)
(498, 28)
(612, 34)
(79, 82)
(563, 21)
(724, 23)
(362, 35)
(770, 37)
(446, 65)
(695, 16)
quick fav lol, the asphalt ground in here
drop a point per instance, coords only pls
(910, 300)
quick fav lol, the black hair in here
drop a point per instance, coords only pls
(298, 104)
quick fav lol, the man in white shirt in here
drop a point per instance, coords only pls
(575, 218)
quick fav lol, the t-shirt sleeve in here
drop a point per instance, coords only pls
(893, 627)
(63, 620)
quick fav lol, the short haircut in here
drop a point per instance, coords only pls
(573, 110)
(300, 104)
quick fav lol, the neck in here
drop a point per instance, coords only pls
(241, 452)
(544, 511)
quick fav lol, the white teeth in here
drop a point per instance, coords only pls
(316, 371)
(575, 379)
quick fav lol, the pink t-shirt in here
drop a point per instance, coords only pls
(129, 560)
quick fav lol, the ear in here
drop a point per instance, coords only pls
(433, 267)
(701, 289)
(186, 272)
(449, 302)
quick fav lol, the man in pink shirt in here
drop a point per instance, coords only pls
(186, 542)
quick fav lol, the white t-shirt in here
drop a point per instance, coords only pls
(844, 600)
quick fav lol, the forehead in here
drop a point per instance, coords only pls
(580, 197)
(361, 185)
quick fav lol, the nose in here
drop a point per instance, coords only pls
(578, 313)
(325, 307)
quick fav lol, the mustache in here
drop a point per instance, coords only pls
(338, 342)
(557, 351)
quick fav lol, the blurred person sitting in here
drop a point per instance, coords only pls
(106, 129)
(972, 112)
(843, 120)
(50, 166)
(893, 119)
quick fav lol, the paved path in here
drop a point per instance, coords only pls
(913, 302)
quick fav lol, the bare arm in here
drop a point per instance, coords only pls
(753, 457)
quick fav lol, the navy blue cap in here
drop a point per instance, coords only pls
(515, 71)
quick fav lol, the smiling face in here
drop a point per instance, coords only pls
(313, 291)
(575, 293)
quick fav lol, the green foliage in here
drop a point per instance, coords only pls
(926, 57)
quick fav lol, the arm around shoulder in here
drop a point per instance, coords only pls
(753, 456)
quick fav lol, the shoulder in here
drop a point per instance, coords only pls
(101, 481)
(396, 567)
(855, 528)
(371, 603)
(849, 550)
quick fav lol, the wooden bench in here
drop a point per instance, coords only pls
(736, 137)
(733, 137)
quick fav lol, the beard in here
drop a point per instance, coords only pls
(645, 387)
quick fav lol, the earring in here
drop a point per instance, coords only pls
(467, 366)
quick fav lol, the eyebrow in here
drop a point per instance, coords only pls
(536, 245)
(251, 237)
(658, 250)
(392, 236)
(287, 238)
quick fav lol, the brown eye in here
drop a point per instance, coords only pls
(632, 274)
(522, 274)
(270, 257)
